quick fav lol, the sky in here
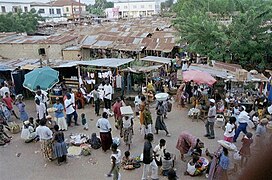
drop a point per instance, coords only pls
(44, 1)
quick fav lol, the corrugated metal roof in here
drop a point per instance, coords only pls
(162, 60)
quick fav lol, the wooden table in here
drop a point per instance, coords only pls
(52, 98)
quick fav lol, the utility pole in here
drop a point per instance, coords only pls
(79, 13)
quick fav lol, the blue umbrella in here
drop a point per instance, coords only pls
(45, 77)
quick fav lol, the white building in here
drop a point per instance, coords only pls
(13, 6)
(138, 8)
(112, 13)
(49, 12)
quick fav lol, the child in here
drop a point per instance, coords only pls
(84, 122)
(95, 141)
(245, 150)
(159, 152)
(167, 164)
(127, 162)
(127, 130)
(4, 138)
(21, 107)
(230, 130)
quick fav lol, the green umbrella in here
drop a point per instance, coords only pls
(45, 77)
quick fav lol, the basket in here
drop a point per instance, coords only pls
(14, 128)
(220, 120)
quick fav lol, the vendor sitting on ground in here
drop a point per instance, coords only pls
(127, 162)
(195, 166)
(28, 133)
(167, 163)
(4, 138)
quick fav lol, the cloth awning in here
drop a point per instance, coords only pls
(156, 59)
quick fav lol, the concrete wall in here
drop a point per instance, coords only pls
(6, 7)
(71, 55)
(85, 53)
(16, 51)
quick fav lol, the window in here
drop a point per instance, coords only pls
(3, 9)
(125, 7)
(150, 5)
(51, 11)
(15, 9)
(134, 7)
(142, 6)
(25, 8)
(41, 11)
(41, 51)
(67, 9)
(58, 11)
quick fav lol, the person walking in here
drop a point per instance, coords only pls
(243, 119)
(116, 162)
(59, 115)
(211, 119)
(160, 125)
(59, 146)
(107, 95)
(70, 111)
(21, 107)
(105, 131)
(148, 161)
(9, 101)
(96, 100)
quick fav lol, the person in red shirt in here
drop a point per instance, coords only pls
(9, 101)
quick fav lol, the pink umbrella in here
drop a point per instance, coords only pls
(198, 77)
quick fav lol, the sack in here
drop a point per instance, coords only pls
(86, 151)
(14, 128)
(250, 124)
(237, 156)
(169, 106)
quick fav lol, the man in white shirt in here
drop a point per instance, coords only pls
(3, 90)
(105, 131)
(45, 136)
(137, 102)
(211, 119)
(107, 95)
(42, 96)
(243, 119)
(70, 111)
(116, 162)
(70, 91)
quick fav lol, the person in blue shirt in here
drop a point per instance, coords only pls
(59, 115)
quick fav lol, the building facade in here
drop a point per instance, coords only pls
(14, 7)
(138, 8)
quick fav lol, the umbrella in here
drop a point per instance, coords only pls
(45, 77)
(198, 77)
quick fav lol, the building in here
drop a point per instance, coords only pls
(49, 12)
(13, 6)
(70, 7)
(112, 13)
(16, 46)
(138, 8)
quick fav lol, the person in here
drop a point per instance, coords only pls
(160, 125)
(4, 138)
(245, 149)
(127, 161)
(21, 107)
(172, 175)
(115, 161)
(72, 95)
(195, 167)
(137, 102)
(28, 132)
(236, 110)
(147, 121)
(230, 130)
(79, 98)
(59, 146)
(83, 90)
(159, 152)
(70, 111)
(148, 160)
(117, 114)
(42, 96)
(96, 100)
(45, 136)
(217, 96)
(243, 119)
(59, 115)
(84, 122)
(105, 131)
(107, 95)
(41, 109)
(167, 163)
(127, 130)
(187, 143)
(9, 101)
(142, 108)
(223, 165)
(211, 119)
(95, 141)
(4, 89)
(260, 133)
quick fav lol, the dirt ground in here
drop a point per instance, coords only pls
(24, 161)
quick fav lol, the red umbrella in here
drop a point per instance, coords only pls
(198, 77)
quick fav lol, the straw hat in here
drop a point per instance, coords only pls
(264, 121)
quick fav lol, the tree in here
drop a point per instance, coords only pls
(19, 22)
(99, 7)
(245, 39)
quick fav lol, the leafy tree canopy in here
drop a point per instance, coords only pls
(99, 7)
(236, 31)
(19, 22)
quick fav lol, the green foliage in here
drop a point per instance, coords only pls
(99, 7)
(244, 40)
(19, 22)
